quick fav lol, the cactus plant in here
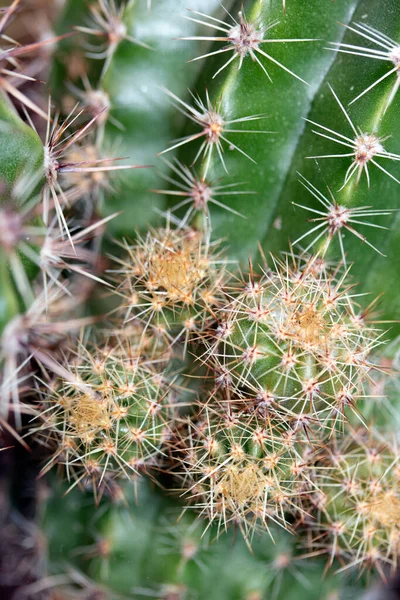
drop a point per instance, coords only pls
(171, 281)
(296, 343)
(110, 412)
(358, 502)
(238, 469)
(209, 345)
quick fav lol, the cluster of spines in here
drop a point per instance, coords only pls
(293, 347)
(309, 314)
(249, 454)
(172, 281)
(295, 342)
(354, 515)
(239, 468)
(290, 350)
(108, 415)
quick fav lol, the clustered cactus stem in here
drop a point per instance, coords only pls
(295, 342)
(150, 360)
(110, 414)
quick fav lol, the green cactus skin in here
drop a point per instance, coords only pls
(164, 554)
(20, 146)
(22, 158)
(8, 299)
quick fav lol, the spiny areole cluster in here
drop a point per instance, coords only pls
(184, 539)
(197, 193)
(214, 127)
(60, 142)
(109, 414)
(356, 510)
(241, 469)
(364, 148)
(108, 26)
(171, 280)
(385, 49)
(295, 343)
(242, 38)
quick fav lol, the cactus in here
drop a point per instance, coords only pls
(296, 343)
(238, 469)
(109, 413)
(358, 502)
(171, 281)
(20, 145)
(209, 345)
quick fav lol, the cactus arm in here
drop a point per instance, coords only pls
(284, 101)
(149, 550)
(142, 121)
(374, 272)
(281, 156)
